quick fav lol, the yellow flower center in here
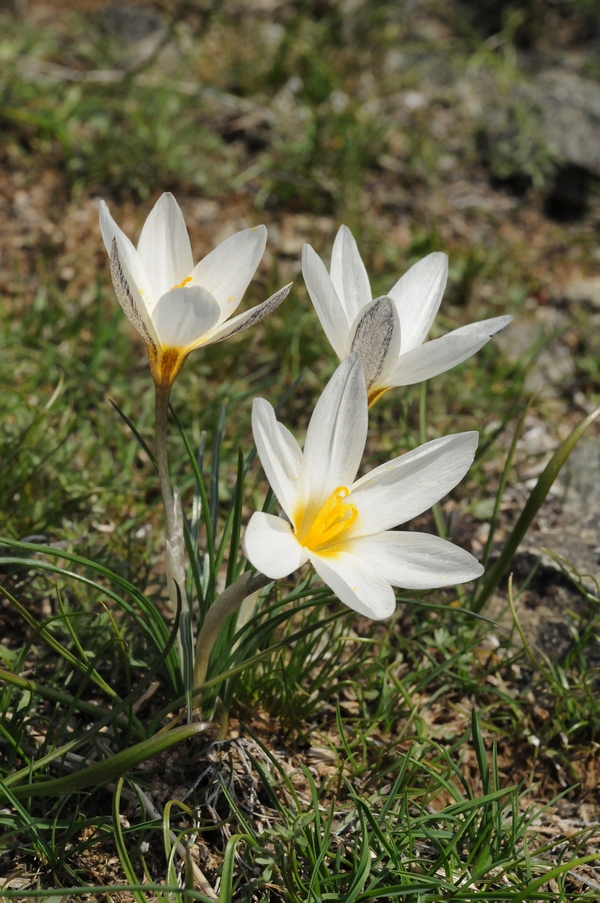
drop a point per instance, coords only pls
(165, 364)
(333, 519)
(182, 284)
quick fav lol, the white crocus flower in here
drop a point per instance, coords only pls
(174, 305)
(342, 526)
(342, 298)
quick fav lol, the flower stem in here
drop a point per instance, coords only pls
(174, 543)
(161, 416)
(229, 601)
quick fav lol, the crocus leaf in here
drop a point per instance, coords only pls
(113, 767)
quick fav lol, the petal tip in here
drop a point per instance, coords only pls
(307, 250)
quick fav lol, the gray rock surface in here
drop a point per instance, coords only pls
(566, 532)
(584, 291)
(129, 22)
(534, 127)
(570, 111)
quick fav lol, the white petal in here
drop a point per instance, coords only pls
(488, 327)
(349, 275)
(271, 547)
(281, 458)
(249, 317)
(326, 301)
(227, 271)
(356, 584)
(337, 431)
(164, 246)
(376, 337)
(394, 492)
(418, 295)
(130, 299)
(128, 256)
(416, 560)
(442, 354)
(183, 316)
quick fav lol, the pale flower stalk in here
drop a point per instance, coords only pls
(174, 305)
(344, 526)
(391, 341)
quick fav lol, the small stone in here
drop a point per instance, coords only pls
(571, 111)
(584, 291)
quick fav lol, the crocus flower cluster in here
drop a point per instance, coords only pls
(342, 525)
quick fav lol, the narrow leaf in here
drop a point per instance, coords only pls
(532, 506)
(111, 768)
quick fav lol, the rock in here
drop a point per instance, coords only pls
(543, 132)
(570, 528)
(560, 551)
(583, 477)
(570, 109)
(510, 138)
(131, 23)
(584, 291)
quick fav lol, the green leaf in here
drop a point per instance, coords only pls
(110, 769)
(534, 503)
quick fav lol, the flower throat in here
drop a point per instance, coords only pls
(334, 518)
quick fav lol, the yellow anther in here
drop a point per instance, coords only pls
(333, 519)
(184, 283)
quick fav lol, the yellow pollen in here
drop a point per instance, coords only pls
(184, 283)
(333, 519)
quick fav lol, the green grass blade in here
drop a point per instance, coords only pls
(113, 767)
(233, 564)
(192, 536)
(501, 488)
(556, 872)
(532, 506)
(148, 618)
(436, 509)
(480, 752)
(87, 889)
(226, 889)
(138, 436)
(215, 468)
(122, 853)
(60, 696)
(114, 716)
(50, 640)
(205, 597)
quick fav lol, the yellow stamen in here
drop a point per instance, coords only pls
(183, 284)
(333, 519)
